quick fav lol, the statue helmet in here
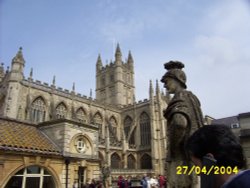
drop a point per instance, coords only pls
(174, 70)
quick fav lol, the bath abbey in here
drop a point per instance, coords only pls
(65, 139)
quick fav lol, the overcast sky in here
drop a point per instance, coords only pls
(63, 38)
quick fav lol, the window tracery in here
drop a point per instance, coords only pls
(61, 111)
(81, 115)
(127, 125)
(38, 110)
(145, 129)
(98, 119)
(80, 144)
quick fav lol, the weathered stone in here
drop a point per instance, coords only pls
(183, 116)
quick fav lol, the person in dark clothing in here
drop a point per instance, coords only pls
(129, 182)
(92, 184)
(216, 147)
(144, 182)
(121, 182)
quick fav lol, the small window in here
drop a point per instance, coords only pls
(33, 170)
(235, 125)
(80, 144)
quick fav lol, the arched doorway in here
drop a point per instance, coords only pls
(32, 177)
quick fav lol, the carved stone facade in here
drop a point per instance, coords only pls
(111, 130)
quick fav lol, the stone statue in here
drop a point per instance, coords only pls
(183, 116)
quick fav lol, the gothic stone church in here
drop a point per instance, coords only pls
(56, 138)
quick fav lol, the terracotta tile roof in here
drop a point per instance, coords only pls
(19, 136)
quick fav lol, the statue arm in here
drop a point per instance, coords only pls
(180, 120)
(180, 123)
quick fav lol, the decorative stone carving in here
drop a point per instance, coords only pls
(183, 116)
(113, 137)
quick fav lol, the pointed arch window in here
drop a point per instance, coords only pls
(127, 125)
(81, 115)
(98, 119)
(38, 110)
(131, 162)
(145, 129)
(115, 161)
(61, 111)
(146, 162)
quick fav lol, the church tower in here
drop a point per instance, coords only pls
(12, 100)
(115, 81)
(17, 66)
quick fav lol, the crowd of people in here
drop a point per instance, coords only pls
(145, 182)
(214, 145)
(91, 184)
(153, 181)
(125, 182)
(95, 184)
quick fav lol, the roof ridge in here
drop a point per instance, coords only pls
(18, 121)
